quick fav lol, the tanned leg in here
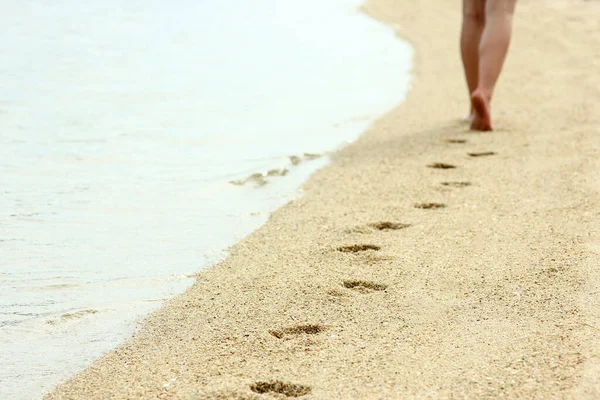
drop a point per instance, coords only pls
(472, 28)
(492, 52)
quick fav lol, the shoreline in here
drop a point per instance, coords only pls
(353, 292)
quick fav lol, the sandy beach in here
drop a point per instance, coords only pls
(425, 261)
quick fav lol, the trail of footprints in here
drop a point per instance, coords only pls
(360, 286)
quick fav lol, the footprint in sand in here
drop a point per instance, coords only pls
(364, 286)
(430, 206)
(441, 166)
(298, 330)
(356, 248)
(286, 389)
(378, 226)
(335, 293)
(389, 226)
(456, 141)
(482, 154)
(457, 184)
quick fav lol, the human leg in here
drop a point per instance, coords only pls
(472, 28)
(495, 40)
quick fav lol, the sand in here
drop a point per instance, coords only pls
(353, 292)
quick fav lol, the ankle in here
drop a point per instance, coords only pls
(486, 94)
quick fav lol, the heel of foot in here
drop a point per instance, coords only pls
(482, 119)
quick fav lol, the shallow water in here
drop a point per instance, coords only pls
(122, 124)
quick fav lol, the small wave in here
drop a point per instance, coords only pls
(260, 179)
(79, 314)
(58, 286)
(72, 316)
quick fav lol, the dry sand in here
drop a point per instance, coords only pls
(494, 295)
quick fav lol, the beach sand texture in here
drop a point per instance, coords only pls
(393, 279)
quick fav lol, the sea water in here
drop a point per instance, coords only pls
(136, 140)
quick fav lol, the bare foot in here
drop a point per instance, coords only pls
(482, 120)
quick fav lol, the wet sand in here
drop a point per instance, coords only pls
(397, 276)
